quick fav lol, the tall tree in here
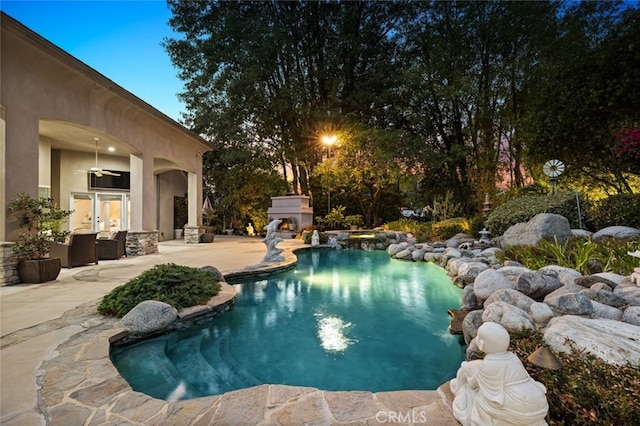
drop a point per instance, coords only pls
(587, 90)
(287, 70)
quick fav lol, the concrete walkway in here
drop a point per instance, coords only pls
(43, 324)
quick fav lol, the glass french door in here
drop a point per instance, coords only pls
(99, 212)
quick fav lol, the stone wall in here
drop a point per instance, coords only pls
(192, 234)
(9, 266)
(141, 243)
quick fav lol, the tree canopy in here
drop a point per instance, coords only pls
(428, 97)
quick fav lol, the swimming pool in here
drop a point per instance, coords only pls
(341, 320)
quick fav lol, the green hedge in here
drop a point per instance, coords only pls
(179, 286)
(524, 208)
(617, 210)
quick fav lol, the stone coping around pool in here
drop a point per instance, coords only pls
(78, 384)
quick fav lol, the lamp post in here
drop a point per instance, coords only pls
(329, 140)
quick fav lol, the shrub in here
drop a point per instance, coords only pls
(179, 286)
(576, 253)
(447, 228)
(621, 209)
(420, 230)
(586, 390)
(524, 208)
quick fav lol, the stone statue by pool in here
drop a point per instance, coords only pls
(271, 240)
(497, 390)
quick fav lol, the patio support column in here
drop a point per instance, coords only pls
(142, 237)
(194, 227)
(194, 189)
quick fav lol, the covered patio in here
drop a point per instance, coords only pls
(69, 133)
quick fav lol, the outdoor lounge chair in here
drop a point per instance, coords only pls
(112, 248)
(80, 250)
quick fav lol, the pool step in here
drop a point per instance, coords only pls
(217, 353)
(200, 377)
(148, 368)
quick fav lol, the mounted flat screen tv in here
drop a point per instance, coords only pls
(118, 183)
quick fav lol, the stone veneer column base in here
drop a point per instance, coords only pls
(192, 234)
(9, 265)
(140, 243)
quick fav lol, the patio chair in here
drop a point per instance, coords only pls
(80, 250)
(112, 248)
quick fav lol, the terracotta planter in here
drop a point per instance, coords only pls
(39, 271)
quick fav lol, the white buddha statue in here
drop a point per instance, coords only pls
(497, 390)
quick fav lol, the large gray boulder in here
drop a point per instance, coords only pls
(569, 303)
(512, 297)
(631, 315)
(612, 341)
(469, 271)
(541, 226)
(630, 294)
(489, 281)
(536, 285)
(510, 317)
(148, 317)
(617, 232)
(565, 275)
(470, 325)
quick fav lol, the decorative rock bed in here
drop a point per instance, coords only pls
(599, 313)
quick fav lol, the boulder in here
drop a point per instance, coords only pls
(564, 274)
(418, 255)
(396, 248)
(600, 310)
(432, 257)
(512, 297)
(469, 299)
(403, 254)
(489, 281)
(470, 270)
(149, 317)
(470, 325)
(606, 297)
(217, 275)
(630, 294)
(541, 226)
(612, 341)
(540, 313)
(581, 233)
(510, 317)
(617, 232)
(536, 285)
(589, 280)
(631, 315)
(569, 303)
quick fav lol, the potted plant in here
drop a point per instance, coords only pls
(354, 221)
(39, 220)
(208, 217)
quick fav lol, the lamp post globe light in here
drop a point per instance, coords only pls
(329, 141)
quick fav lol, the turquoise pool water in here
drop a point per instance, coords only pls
(341, 320)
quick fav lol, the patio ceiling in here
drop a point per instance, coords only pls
(71, 137)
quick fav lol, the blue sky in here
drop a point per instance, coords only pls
(118, 38)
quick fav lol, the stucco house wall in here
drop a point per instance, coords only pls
(53, 108)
